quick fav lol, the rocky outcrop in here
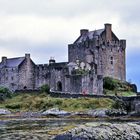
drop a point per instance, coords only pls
(4, 112)
(102, 132)
(55, 112)
(101, 113)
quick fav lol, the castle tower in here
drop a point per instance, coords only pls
(100, 48)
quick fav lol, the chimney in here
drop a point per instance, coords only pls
(4, 59)
(27, 55)
(84, 32)
(108, 31)
(52, 60)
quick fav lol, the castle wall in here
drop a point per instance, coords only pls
(27, 74)
(9, 78)
(42, 75)
(58, 79)
(112, 61)
(76, 51)
(86, 84)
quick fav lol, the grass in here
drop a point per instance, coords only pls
(34, 102)
(120, 93)
(60, 131)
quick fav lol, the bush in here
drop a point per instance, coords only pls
(45, 88)
(6, 92)
(13, 106)
(109, 83)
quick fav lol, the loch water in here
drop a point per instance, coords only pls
(43, 129)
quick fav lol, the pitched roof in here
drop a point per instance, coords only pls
(12, 62)
(90, 35)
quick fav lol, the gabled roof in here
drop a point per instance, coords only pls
(12, 62)
(90, 35)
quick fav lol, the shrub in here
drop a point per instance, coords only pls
(45, 88)
(13, 106)
(109, 83)
(6, 92)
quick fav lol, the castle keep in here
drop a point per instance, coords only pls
(94, 55)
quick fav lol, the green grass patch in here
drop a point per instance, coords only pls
(119, 93)
(34, 102)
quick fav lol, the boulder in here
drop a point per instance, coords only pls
(116, 112)
(55, 112)
(4, 112)
(106, 113)
(97, 113)
(30, 114)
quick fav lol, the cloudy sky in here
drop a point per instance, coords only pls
(45, 27)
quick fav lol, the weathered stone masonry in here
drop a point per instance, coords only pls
(94, 55)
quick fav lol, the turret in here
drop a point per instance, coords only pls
(123, 43)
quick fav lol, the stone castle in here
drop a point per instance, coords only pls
(94, 55)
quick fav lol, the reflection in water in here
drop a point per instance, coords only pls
(36, 129)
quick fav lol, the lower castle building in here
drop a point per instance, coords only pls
(94, 55)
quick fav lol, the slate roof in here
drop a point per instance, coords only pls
(90, 35)
(12, 62)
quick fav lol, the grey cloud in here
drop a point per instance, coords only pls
(40, 53)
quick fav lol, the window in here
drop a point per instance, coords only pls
(111, 60)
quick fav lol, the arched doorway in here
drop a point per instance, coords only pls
(59, 86)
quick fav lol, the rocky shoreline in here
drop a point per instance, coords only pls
(104, 131)
(55, 112)
(98, 127)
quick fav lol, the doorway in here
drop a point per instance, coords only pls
(59, 86)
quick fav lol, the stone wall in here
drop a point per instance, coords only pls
(9, 78)
(27, 74)
(42, 76)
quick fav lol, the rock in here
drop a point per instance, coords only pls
(4, 112)
(106, 113)
(97, 113)
(81, 114)
(102, 132)
(115, 112)
(56, 112)
(30, 114)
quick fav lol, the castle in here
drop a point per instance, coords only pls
(94, 55)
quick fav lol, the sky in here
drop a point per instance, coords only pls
(44, 28)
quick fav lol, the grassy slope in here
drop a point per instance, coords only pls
(114, 87)
(37, 102)
(26, 102)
